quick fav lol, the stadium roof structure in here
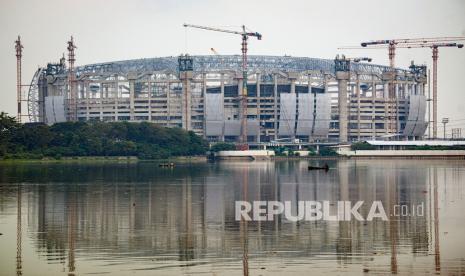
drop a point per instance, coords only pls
(209, 63)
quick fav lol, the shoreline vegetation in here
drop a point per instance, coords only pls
(126, 142)
(96, 140)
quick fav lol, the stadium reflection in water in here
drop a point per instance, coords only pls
(138, 218)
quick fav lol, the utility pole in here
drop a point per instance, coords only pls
(444, 122)
(19, 54)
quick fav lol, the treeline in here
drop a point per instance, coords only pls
(144, 140)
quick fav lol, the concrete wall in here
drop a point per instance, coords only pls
(404, 153)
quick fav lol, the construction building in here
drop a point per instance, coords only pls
(287, 97)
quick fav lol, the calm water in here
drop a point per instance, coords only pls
(136, 218)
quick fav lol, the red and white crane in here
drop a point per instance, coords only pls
(433, 42)
(243, 97)
(392, 44)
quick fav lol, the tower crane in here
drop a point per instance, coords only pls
(243, 97)
(435, 47)
(392, 44)
(434, 43)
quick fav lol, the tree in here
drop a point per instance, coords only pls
(7, 126)
(145, 140)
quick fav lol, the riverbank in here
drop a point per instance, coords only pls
(201, 159)
(364, 157)
(91, 159)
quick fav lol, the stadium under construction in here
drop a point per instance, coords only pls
(310, 99)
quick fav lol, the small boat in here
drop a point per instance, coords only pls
(166, 165)
(325, 167)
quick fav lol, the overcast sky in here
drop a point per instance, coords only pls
(106, 30)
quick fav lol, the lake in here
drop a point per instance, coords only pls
(118, 218)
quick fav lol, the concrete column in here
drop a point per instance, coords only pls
(88, 99)
(357, 90)
(239, 93)
(131, 79)
(186, 108)
(292, 77)
(386, 107)
(373, 103)
(204, 93)
(309, 87)
(222, 106)
(102, 92)
(115, 98)
(258, 108)
(342, 77)
(275, 94)
(385, 90)
(168, 102)
(149, 87)
(309, 83)
(326, 89)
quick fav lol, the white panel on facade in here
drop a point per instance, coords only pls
(412, 116)
(420, 127)
(214, 128)
(253, 128)
(214, 115)
(305, 116)
(323, 115)
(54, 109)
(232, 128)
(415, 124)
(287, 114)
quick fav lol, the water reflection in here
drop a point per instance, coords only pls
(115, 218)
(19, 233)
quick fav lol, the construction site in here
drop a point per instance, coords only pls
(245, 99)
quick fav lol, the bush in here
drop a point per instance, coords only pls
(326, 151)
(70, 139)
(362, 146)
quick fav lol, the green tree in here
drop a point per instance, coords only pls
(145, 140)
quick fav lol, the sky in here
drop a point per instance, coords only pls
(110, 30)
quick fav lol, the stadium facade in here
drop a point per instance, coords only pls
(288, 97)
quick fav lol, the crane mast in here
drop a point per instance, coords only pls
(434, 43)
(243, 97)
(19, 54)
